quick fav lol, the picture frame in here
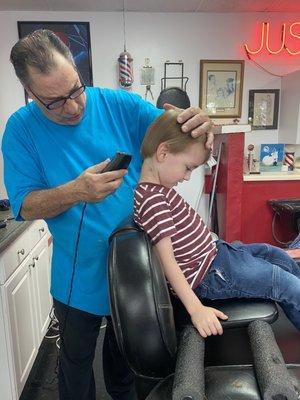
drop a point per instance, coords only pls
(221, 88)
(271, 157)
(76, 35)
(263, 108)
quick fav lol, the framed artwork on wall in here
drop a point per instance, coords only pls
(263, 108)
(221, 87)
(76, 35)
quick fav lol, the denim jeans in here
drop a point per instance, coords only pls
(256, 270)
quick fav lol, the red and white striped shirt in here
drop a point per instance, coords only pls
(162, 212)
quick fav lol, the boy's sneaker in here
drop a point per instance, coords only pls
(53, 328)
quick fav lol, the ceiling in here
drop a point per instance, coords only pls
(218, 6)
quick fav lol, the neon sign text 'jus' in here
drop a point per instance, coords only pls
(265, 39)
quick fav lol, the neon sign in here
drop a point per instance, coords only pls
(285, 34)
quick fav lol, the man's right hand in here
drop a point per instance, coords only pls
(92, 186)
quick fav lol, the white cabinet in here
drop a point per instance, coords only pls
(25, 304)
(19, 295)
(41, 276)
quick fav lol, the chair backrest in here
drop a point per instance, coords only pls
(141, 309)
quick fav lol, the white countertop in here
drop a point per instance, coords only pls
(273, 176)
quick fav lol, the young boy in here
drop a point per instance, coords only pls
(195, 266)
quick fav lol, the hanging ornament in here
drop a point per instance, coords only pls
(125, 69)
(125, 61)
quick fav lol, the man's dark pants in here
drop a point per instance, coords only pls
(79, 331)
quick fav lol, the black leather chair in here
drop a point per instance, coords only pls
(147, 332)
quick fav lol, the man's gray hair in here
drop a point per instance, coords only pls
(37, 50)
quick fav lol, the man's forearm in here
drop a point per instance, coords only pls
(49, 203)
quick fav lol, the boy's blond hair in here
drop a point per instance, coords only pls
(166, 129)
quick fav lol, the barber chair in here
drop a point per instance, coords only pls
(168, 356)
(287, 211)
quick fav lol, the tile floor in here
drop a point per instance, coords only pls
(42, 381)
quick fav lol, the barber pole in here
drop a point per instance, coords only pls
(289, 160)
(125, 70)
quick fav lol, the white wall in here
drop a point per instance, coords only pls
(289, 113)
(161, 37)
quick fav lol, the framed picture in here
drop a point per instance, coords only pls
(76, 35)
(263, 108)
(271, 157)
(221, 87)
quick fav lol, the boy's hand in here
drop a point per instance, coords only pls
(205, 320)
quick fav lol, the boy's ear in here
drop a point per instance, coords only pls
(162, 151)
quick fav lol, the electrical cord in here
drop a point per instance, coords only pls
(274, 234)
(114, 166)
(260, 66)
(3, 222)
(62, 331)
(70, 291)
(73, 274)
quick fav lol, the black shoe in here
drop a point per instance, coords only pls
(53, 328)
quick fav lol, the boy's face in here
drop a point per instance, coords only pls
(178, 167)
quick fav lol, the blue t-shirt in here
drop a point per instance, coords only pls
(41, 154)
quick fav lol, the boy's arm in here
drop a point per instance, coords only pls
(205, 319)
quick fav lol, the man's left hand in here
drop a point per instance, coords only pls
(195, 120)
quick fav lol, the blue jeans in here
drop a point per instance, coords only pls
(256, 270)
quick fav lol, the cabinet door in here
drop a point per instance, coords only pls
(8, 385)
(19, 294)
(15, 254)
(40, 273)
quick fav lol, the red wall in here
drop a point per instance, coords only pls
(243, 211)
(257, 215)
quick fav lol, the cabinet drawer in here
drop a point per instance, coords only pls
(14, 254)
(38, 230)
(12, 257)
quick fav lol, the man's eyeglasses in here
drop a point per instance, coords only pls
(62, 100)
